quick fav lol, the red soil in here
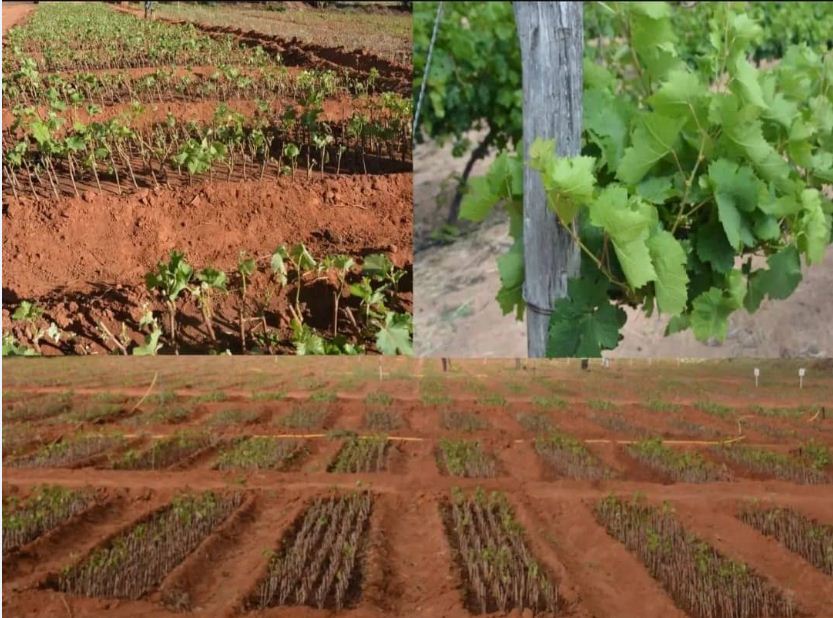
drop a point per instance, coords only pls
(294, 52)
(14, 13)
(333, 111)
(409, 567)
(84, 260)
(90, 264)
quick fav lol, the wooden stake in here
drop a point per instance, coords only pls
(551, 40)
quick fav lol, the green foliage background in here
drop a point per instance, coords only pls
(697, 162)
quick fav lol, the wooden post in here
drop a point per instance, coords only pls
(552, 42)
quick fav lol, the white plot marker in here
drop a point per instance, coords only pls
(757, 373)
(801, 373)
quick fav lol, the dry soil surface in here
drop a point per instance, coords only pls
(13, 12)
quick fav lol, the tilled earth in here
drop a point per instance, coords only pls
(407, 565)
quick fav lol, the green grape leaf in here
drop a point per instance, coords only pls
(714, 248)
(749, 138)
(735, 288)
(568, 181)
(606, 124)
(669, 259)
(778, 281)
(710, 313)
(628, 223)
(680, 94)
(511, 269)
(585, 322)
(813, 230)
(745, 83)
(653, 139)
(394, 336)
(503, 181)
(735, 190)
(151, 345)
(478, 200)
(766, 227)
(677, 324)
(781, 206)
(656, 189)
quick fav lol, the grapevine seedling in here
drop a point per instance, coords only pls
(380, 268)
(151, 345)
(372, 300)
(211, 281)
(29, 313)
(291, 152)
(169, 281)
(342, 265)
(246, 267)
(303, 262)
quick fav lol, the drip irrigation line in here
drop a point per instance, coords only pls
(427, 67)
(317, 436)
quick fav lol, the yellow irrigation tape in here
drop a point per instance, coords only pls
(678, 442)
(315, 436)
(305, 436)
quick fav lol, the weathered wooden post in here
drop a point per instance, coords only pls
(552, 41)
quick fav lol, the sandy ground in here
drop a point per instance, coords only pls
(13, 12)
(456, 314)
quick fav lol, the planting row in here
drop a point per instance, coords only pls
(357, 454)
(319, 558)
(29, 87)
(86, 36)
(701, 581)
(39, 152)
(366, 305)
(565, 455)
(136, 561)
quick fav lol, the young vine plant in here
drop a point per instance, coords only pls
(698, 192)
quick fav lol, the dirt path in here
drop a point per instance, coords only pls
(455, 313)
(14, 12)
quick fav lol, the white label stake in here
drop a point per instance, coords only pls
(757, 375)
(801, 373)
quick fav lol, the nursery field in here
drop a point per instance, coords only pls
(375, 487)
(171, 187)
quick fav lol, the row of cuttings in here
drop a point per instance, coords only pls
(319, 559)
